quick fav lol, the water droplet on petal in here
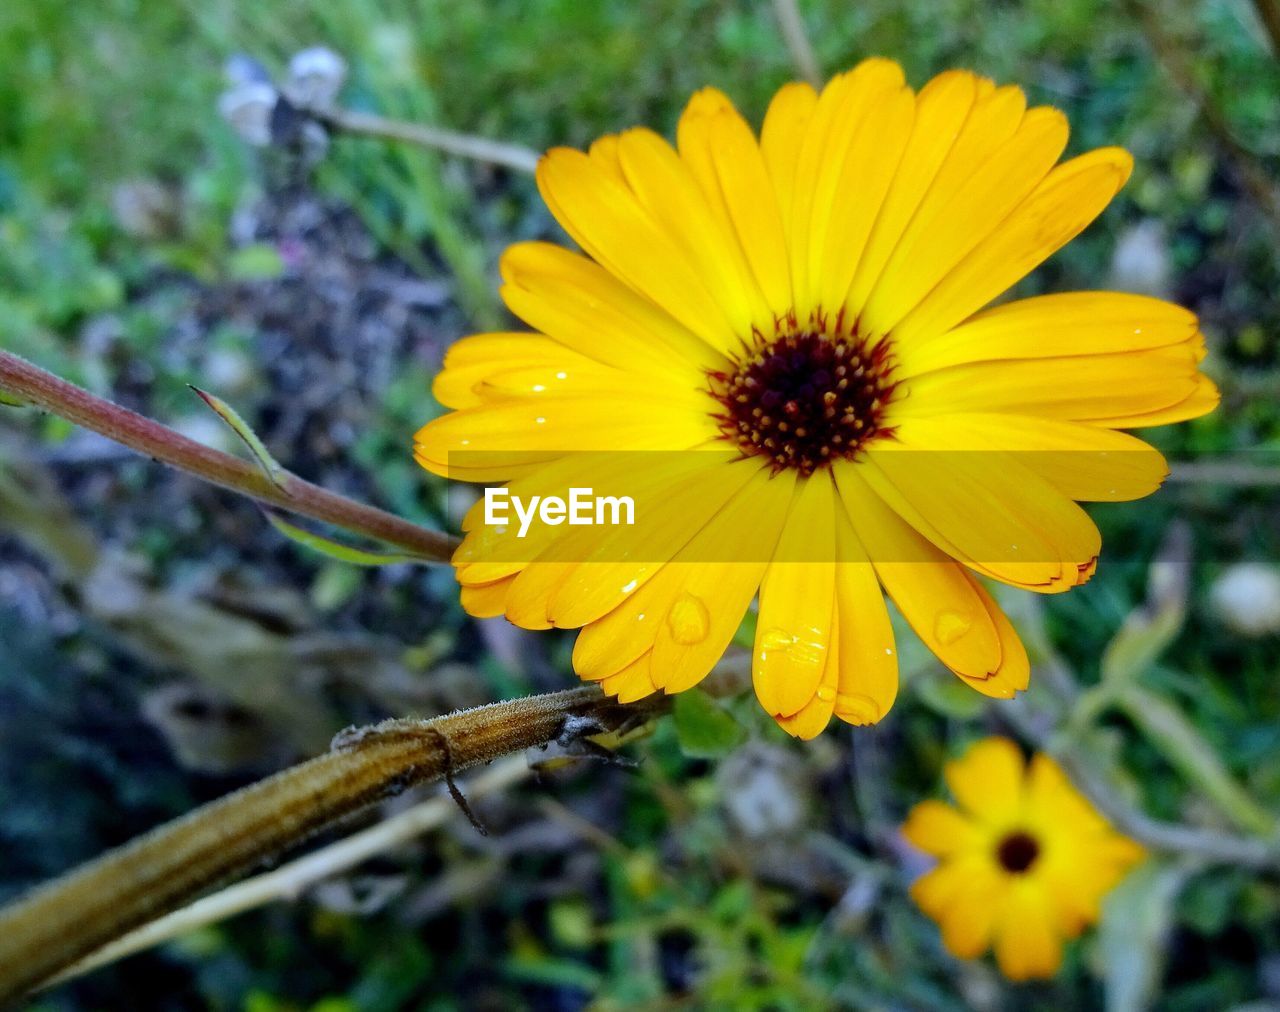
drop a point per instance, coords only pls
(807, 648)
(857, 709)
(826, 694)
(776, 640)
(688, 620)
(949, 626)
(627, 588)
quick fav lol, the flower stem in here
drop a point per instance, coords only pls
(292, 880)
(797, 40)
(449, 142)
(64, 921)
(42, 389)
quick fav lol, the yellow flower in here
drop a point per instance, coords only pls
(799, 309)
(1023, 863)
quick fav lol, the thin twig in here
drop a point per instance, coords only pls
(797, 40)
(1213, 845)
(1232, 473)
(1269, 15)
(73, 916)
(292, 880)
(288, 492)
(1210, 844)
(449, 142)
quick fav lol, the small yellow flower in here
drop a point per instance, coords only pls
(781, 341)
(1024, 862)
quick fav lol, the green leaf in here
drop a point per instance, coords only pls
(10, 401)
(704, 728)
(334, 549)
(241, 428)
(1144, 636)
(1136, 918)
(1152, 627)
(949, 697)
(552, 972)
(1186, 748)
(259, 262)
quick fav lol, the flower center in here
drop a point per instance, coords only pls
(1017, 852)
(805, 397)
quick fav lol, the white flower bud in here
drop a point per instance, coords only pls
(315, 77)
(1141, 260)
(248, 108)
(241, 68)
(1247, 598)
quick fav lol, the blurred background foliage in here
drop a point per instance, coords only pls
(160, 645)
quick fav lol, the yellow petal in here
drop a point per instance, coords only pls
(978, 905)
(584, 307)
(604, 152)
(985, 508)
(840, 110)
(797, 602)
(1027, 943)
(934, 593)
(935, 890)
(866, 655)
(1083, 462)
(1202, 399)
(497, 436)
(721, 151)
(491, 551)
(1050, 326)
(608, 222)
(703, 617)
(855, 198)
(536, 584)
(1085, 388)
(485, 600)
(631, 683)
(987, 781)
(470, 362)
(812, 719)
(667, 190)
(1014, 671)
(1070, 197)
(941, 110)
(690, 495)
(939, 829)
(785, 125)
(973, 193)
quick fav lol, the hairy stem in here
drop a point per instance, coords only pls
(292, 880)
(42, 389)
(449, 142)
(64, 921)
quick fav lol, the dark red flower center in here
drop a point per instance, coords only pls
(805, 397)
(1017, 852)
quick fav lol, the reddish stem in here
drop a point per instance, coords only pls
(45, 390)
